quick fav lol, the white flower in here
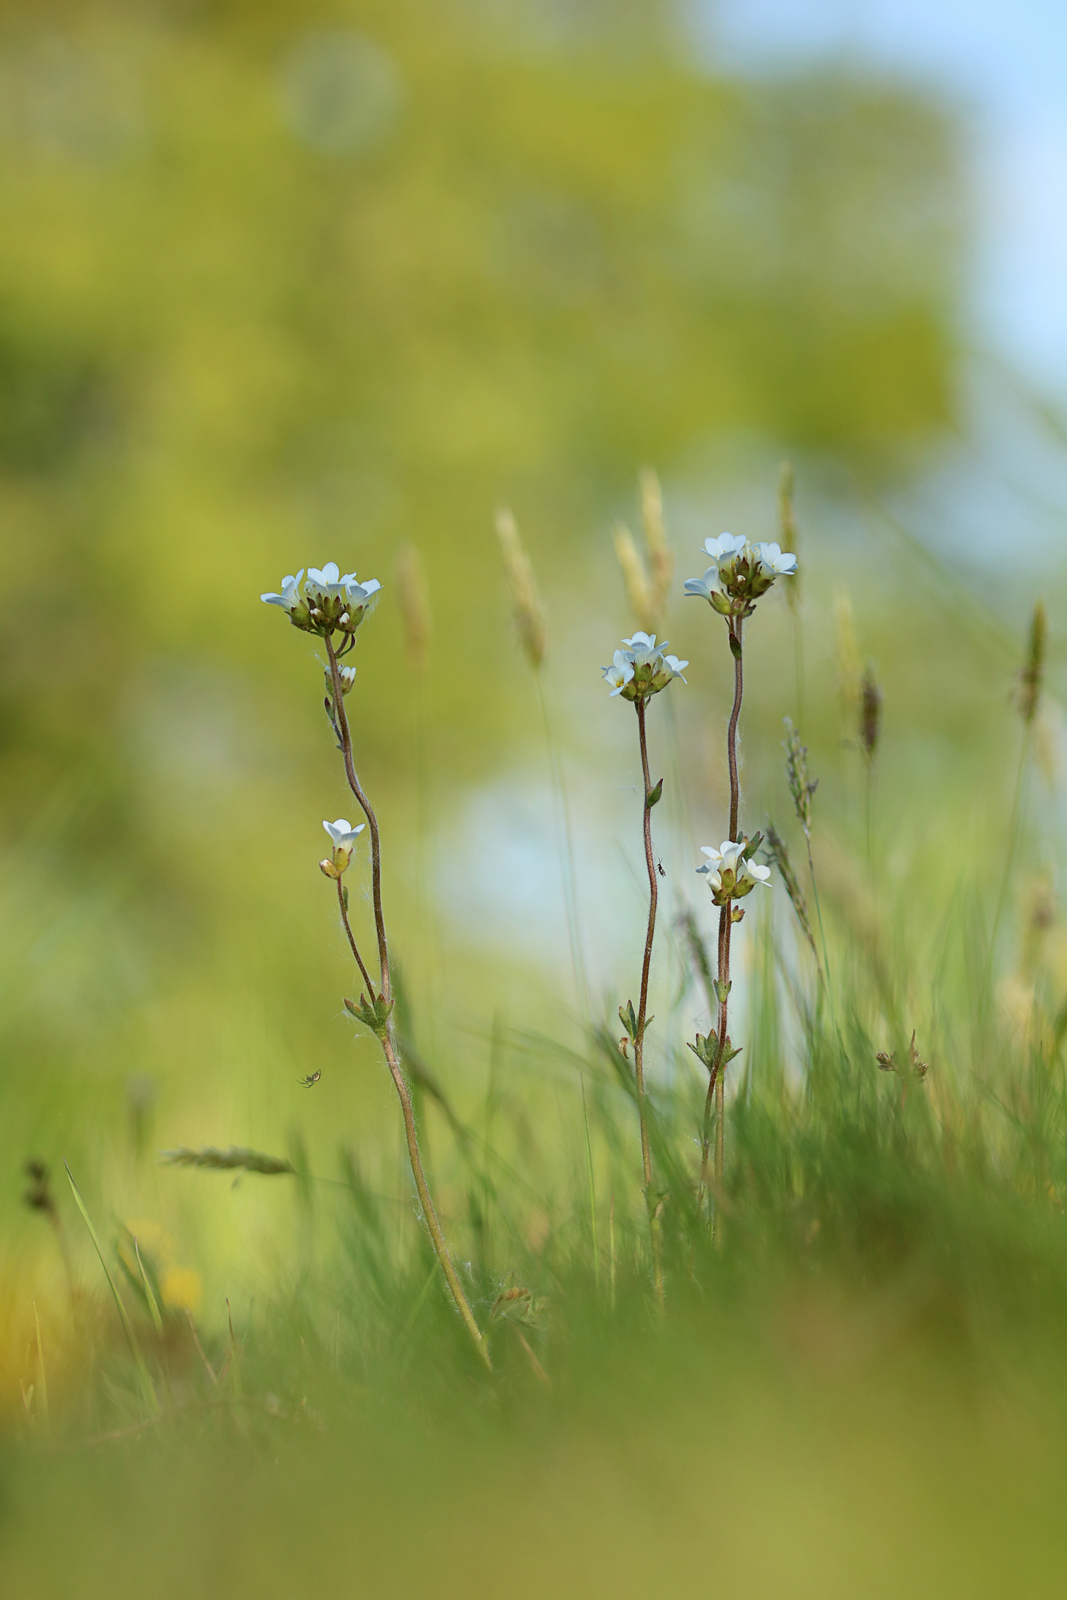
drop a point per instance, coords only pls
(723, 859)
(327, 581)
(740, 574)
(772, 559)
(620, 673)
(289, 598)
(730, 874)
(706, 586)
(725, 547)
(336, 600)
(343, 838)
(642, 669)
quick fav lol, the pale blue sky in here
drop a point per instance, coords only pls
(1003, 64)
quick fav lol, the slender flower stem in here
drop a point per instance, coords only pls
(716, 1078)
(731, 731)
(372, 821)
(639, 1041)
(388, 1042)
(351, 939)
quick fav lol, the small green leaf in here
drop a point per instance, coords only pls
(655, 795)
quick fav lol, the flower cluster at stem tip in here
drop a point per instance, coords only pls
(739, 573)
(343, 838)
(642, 669)
(731, 875)
(330, 602)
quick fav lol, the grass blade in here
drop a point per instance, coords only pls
(127, 1326)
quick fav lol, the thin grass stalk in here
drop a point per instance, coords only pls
(147, 1386)
(1027, 700)
(387, 1037)
(42, 1377)
(642, 1010)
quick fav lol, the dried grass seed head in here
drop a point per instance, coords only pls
(638, 589)
(787, 526)
(414, 602)
(526, 601)
(660, 555)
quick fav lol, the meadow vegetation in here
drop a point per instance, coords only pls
(786, 1321)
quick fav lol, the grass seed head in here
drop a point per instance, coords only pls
(660, 556)
(414, 603)
(870, 714)
(787, 525)
(796, 772)
(235, 1158)
(525, 597)
(638, 589)
(1032, 674)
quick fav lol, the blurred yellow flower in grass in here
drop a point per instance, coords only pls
(182, 1289)
(175, 1287)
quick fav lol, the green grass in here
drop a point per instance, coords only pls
(856, 1387)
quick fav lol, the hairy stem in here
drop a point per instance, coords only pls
(341, 721)
(642, 1009)
(388, 1041)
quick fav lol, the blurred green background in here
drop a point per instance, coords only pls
(284, 283)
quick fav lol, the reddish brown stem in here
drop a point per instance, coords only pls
(387, 1039)
(352, 941)
(716, 1076)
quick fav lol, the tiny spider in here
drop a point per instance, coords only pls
(309, 1083)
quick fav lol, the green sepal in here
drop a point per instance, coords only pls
(374, 1015)
(751, 846)
(706, 1050)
